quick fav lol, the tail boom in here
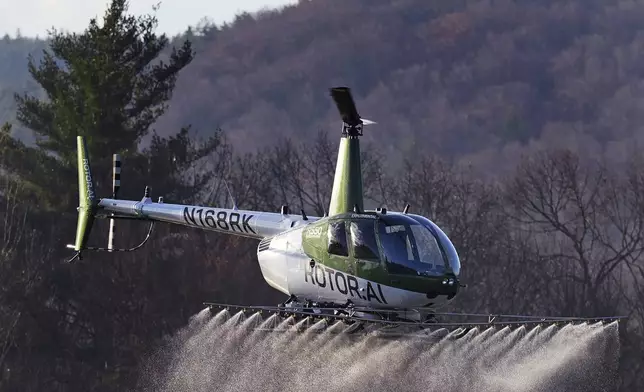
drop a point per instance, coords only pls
(244, 223)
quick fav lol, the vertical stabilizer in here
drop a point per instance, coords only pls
(347, 183)
(86, 196)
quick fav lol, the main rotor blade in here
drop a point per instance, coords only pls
(346, 106)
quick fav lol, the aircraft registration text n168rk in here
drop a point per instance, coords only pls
(222, 219)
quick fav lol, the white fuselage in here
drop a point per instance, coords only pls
(288, 269)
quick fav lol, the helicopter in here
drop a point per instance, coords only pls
(352, 262)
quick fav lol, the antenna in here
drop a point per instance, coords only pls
(230, 194)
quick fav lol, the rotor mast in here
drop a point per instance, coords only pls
(347, 193)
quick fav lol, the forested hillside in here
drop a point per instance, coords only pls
(480, 80)
(454, 78)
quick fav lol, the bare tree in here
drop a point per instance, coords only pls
(581, 220)
(298, 175)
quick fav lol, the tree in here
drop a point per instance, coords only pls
(103, 84)
(300, 175)
(586, 223)
(83, 326)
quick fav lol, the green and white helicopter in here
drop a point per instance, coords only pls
(354, 263)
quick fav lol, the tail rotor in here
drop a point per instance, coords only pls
(89, 205)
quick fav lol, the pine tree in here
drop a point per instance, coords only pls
(107, 84)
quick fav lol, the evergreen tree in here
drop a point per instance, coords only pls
(85, 326)
(107, 84)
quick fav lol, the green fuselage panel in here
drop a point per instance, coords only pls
(315, 243)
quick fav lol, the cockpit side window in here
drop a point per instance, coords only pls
(363, 240)
(338, 239)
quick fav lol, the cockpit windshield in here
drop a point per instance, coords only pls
(410, 247)
(408, 244)
(448, 249)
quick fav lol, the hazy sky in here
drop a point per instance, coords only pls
(35, 17)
